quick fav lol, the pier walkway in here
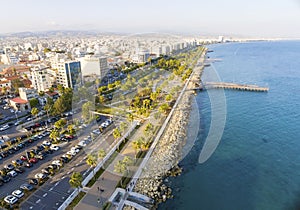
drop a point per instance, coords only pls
(227, 85)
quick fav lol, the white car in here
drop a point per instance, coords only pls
(18, 122)
(10, 199)
(4, 127)
(57, 162)
(12, 173)
(82, 143)
(96, 131)
(71, 152)
(18, 193)
(54, 147)
(75, 149)
(46, 143)
(40, 176)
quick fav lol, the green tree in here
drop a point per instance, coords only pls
(60, 88)
(54, 135)
(33, 102)
(76, 180)
(101, 99)
(123, 126)
(121, 168)
(148, 129)
(34, 111)
(128, 160)
(101, 154)
(92, 161)
(60, 123)
(164, 108)
(49, 106)
(130, 117)
(168, 97)
(153, 96)
(116, 133)
(71, 129)
(86, 108)
(136, 145)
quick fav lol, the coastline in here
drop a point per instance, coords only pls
(171, 148)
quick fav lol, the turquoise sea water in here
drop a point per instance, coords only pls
(257, 163)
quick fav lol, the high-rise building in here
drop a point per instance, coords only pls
(41, 80)
(92, 65)
(69, 74)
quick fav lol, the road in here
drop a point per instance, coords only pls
(54, 192)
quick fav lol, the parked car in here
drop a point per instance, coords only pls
(47, 143)
(10, 199)
(54, 147)
(28, 164)
(57, 162)
(18, 193)
(12, 173)
(23, 158)
(20, 170)
(40, 176)
(5, 179)
(26, 186)
(33, 181)
(4, 127)
(33, 160)
(17, 162)
(9, 167)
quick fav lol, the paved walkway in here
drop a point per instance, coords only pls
(96, 197)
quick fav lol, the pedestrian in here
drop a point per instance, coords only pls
(98, 188)
(98, 200)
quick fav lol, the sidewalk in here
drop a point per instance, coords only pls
(95, 199)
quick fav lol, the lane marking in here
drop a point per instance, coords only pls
(57, 183)
(51, 189)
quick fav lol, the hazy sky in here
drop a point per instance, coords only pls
(276, 18)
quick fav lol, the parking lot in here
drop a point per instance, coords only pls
(50, 157)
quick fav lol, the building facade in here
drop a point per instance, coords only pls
(69, 74)
(91, 65)
(41, 80)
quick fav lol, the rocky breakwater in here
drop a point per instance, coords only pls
(166, 156)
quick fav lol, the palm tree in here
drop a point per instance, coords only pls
(76, 180)
(130, 117)
(136, 146)
(4, 91)
(34, 111)
(101, 154)
(120, 167)
(123, 126)
(92, 161)
(116, 133)
(54, 135)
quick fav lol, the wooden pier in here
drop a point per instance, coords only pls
(232, 86)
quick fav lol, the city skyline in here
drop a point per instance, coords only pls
(274, 19)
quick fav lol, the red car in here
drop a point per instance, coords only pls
(33, 160)
(23, 157)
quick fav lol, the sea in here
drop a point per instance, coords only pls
(256, 164)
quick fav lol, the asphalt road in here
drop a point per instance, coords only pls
(54, 192)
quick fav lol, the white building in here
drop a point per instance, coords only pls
(41, 80)
(92, 65)
(69, 74)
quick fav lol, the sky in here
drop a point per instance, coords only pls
(255, 18)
